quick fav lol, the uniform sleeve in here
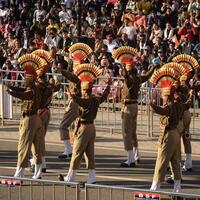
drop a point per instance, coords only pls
(146, 76)
(26, 95)
(84, 103)
(128, 79)
(17, 89)
(69, 76)
(161, 110)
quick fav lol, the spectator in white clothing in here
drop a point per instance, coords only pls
(65, 14)
(110, 42)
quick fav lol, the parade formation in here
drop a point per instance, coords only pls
(176, 79)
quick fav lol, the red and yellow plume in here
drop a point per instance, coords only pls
(125, 54)
(80, 52)
(164, 77)
(180, 70)
(87, 73)
(32, 60)
(43, 54)
(187, 61)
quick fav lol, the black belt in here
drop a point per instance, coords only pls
(86, 121)
(28, 114)
(129, 101)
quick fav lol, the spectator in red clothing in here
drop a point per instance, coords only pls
(2, 27)
(187, 31)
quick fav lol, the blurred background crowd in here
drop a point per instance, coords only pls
(158, 29)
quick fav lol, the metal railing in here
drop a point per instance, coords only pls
(124, 193)
(39, 189)
(109, 115)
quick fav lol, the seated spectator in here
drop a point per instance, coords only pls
(53, 39)
(65, 14)
(109, 28)
(73, 26)
(52, 24)
(125, 41)
(91, 17)
(143, 42)
(3, 10)
(39, 26)
(116, 15)
(25, 14)
(153, 18)
(39, 11)
(86, 29)
(187, 32)
(168, 32)
(156, 32)
(111, 43)
(53, 14)
(66, 39)
(26, 39)
(103, 15)
(18, 51)
(140, 19)
(127, 28)
(171, 51)
(11, 41)
(9, 75)
(161, 56)
(10, 27)
(128, 14)
(38, 40)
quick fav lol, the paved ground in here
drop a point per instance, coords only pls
(109, 154)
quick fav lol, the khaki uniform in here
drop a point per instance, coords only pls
(85, 131)
(184, 91)
(30, 125)
(169, 148)
(69, 117)
(130, 92)
(72, 107)
(186, 135)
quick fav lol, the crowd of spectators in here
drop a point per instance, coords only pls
(158, 29)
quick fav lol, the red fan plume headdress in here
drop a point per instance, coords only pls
(79, 52)
(87, 73)
(126, 55)
(32, 62)
(187, 61)
(180, 70)
(43, 54)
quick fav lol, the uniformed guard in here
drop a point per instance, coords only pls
(30, 123)
(46, 89)
(184, 90)
(190, 64)
(171, 128)
(131, 87)
(79, 53)
(85, 131)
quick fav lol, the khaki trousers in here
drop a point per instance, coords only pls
(29, 133)
(169, 149)
(129, 125)
(70, 115)
(187, 140)
(45, 118)
(83, 144)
